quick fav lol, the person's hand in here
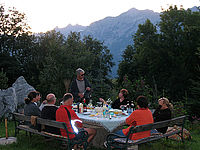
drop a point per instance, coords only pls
(78, 124)
(88, 88)
(102, 100)
(44, 102)
(122, 106)
(81, 95)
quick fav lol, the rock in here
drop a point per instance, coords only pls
(22, 88)
(7, 101)
(12, 99)
(9, 140)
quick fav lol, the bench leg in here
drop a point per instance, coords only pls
(167, 138)
(85, 144)
(16, 131)
(182, 139)
(30, 134)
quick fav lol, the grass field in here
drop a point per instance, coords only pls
(37, 142)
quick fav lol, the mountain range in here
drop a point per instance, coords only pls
(116, 32)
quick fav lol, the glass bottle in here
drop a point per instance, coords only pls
(80, 108)
(132, 106)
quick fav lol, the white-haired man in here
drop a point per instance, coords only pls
(80, 87)
(49, 112)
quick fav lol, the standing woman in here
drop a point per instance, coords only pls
(31, 108)
(163, 112)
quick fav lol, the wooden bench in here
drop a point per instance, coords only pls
(123, 142)
(19, 125)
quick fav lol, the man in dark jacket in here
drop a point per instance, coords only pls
(80, 87)
(49, 112)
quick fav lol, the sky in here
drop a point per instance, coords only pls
(44, 15)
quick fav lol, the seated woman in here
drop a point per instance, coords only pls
(31, 108)
(163, 112)
(120, 101)
(141, 116)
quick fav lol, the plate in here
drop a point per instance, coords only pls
(86, 113)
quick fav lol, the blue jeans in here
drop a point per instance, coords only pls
(79, 135)
(119, 132)
(154, 131)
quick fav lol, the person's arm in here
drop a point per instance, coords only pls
(75, 117)
(74, 89)
(116, 104)
(156, 113)
(87, 85)
(102, 100)
(131, 119)
(35, 111)
(42, 105)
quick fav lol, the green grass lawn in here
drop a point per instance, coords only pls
(37, 142)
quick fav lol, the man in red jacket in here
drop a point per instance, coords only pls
(141, 116)
(62, 116)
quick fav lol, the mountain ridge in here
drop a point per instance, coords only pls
(115, 32)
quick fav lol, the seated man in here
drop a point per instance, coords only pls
(49, 112)
(62, 116)
(141, 116)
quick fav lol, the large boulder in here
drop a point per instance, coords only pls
(12, 99)
(7, 101)
(22, 88)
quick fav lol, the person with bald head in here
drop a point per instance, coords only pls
(66, 114)
(49, 112)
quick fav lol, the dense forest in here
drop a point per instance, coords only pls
(164, 59)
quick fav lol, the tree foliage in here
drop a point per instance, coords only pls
(61, 57)
(48, 60)
(165, 55)
(3, 80)
(14, 42)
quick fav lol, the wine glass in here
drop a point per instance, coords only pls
(99, 104)
(122, 108)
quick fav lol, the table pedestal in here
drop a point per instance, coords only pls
(100, 138)
(101, 135)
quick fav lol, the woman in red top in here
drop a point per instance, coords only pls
(141, 116)
(62, 116)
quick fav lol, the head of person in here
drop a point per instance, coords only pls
(142, 102)
(164, 102)
(51, 98)
(80, 74)
(33, 96)
(68, 99)
(123, 93)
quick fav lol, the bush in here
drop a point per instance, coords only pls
(179, 109)
(3, 80)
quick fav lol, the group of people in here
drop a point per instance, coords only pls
(142, 115)
(64, 113)
(81, 89)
